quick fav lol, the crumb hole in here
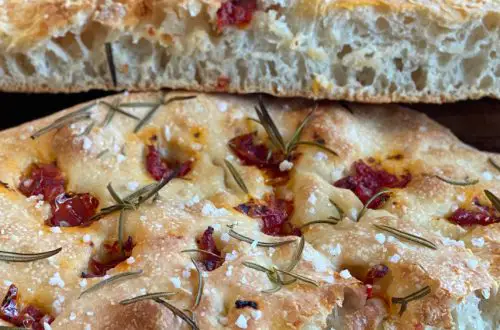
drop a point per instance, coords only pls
(419, 78)
(346, 49)
(365, 77)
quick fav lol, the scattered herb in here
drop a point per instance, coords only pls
(111, 62)
(495, 201)
(275, 278)
(495, 165)
(137, 105)
(247, 239)
(199, 291)
(4, 184)
(153, 110)
(87, 129)
(277, 139)
(466, 182)
(329, 221)
(81, 114)
(236, 176)
(414, 296)
(186, 318)
(135, 199)
(102, 153)
(112, 279)
(27, 257)
(147, 296)
(113, 109)
(374, 197)
(202, 251)
(407, 236)
(339, 210)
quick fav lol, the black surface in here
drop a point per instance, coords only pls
(474, 122)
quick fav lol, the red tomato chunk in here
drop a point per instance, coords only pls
(479, 215)
(99, 265)
(27, 316)
(235, 13)
(68, 209)
(367, 181)
(159, 168)
(206, 242)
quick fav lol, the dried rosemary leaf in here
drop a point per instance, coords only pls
(407, 236)
(186, 318)
(147, 296)
(27, 257)
(495, 201)
(112, 279)
(374, 197)
(466, 182)
(414, 296)
(331, 221)
(199, 291)
(111, 62)
(495, 165)
(202, 251)
(247, 239)
(236, 176)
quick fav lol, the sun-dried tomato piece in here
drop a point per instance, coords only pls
(478, 215)
(249, 152)
(112, 256)
(273, 212)
(206, 242)
(235, 13)
(43, 179)
(29, 316)
(70, 210)
(376, 272)
(367, 181)
(158, 167)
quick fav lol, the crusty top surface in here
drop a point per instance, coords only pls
(400, 139)
(27, 24)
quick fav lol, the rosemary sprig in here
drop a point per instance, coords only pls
(414, 296)
(466, 182)
(135, 199)
(329, 221)
(492, 162)
(236, 176)
(407, 236)
(137, 105)
(199, 292)
(156, 106)
(61, 122)
(374, 197)
(112, 279)
(339, 210)
(247, 239)
(495, 201)
(186, 318)
(87, 129)
(147, 296)
(111, 62)
(201, 251)
(297, 255)
(273, 275)
(277, 139)
(27, 257)
(113, 109)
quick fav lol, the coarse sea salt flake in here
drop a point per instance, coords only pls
(345, 274)
(380, 238)
(477, 242)
(241, 322)
(285, 166)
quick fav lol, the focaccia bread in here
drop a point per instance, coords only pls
(359, 50)
(237, 213)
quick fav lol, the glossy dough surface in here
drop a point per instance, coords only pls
(463, 275)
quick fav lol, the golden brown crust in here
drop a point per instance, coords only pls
(187, 207)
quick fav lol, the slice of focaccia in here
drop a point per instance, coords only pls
(178, 211)
(368, 51)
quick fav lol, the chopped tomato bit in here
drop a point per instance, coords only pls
(252, 153)
(478, 215)
(206, 242)
(27, 316)
(43, 179)
(159, 168)
(99, 265)
(235, 13)
(222, 84)
(68, 209)
(367, 181)
(275, 215)
(376, 272)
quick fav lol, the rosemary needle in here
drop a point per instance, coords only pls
(147, 296)
(199, 291)
(466, 182)
(27, 257)
(236, 176)
(407, 236)
(112, 279)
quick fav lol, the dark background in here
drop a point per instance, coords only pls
(474, 122)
